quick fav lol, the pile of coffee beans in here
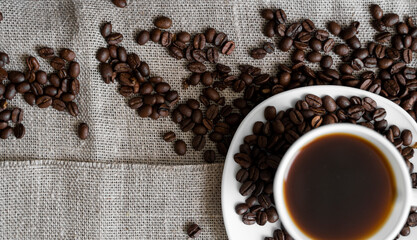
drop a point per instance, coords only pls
(149, 95)
(200, 48)
(261, 152)
(10, 118)
(120, 3)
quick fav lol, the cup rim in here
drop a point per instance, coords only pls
(289, 156)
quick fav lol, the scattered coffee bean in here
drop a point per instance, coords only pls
(180, 147)
(120, 3)
(163, 22)
(83, 131)
(193, 231)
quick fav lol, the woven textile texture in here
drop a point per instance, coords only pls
(124, 182)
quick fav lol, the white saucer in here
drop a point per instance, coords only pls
(236, 230)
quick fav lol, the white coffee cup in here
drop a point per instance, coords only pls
(406, 195)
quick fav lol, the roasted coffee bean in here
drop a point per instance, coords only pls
(385, 63)
(228, 47)
(3, 73)
(46, 52)
(184, 37)
(328, 45)
(58, 105)
(30, 98)
(354, 42)
(143, 37)
(348, 32)
(209, 156)
(19, 131)
(314, 57)
(57, 63)
(272, 214)
(390, 19)
(334, 28)
(268, 14)
(211, 94)
(32, 63)
(315, 44)
(321, 35)
(169, 136)
(308, 25)
(268, 47)
(106, 29)
(180, 147)
(326, 62)
(285, 44)
(145, 111)
(44, 101)
(199, 55)
(376, 11)
(22, 87)
(17, 115)
(407, 55)
(412, 220)
(16, 77)
(67, 54)
(114, 38)
(41, 77)
(279, 29)
(155, 35)
(83, 130)
(74, 69)
(73, 109)
(6, 133)
(163, 22)
(199, 41)
(120, 3)
(298, 56)
(280, 16)
(198, 142)
(103, 55)
(144, 69)
(341, 50)
(313, 100)
(261, 218)
(241, 208)
(258, 53)
(5, 115)
(407, 137)
(293, 30)
(193, 231)
(212, 55)
(357, 64)
(197, 67)
(10, 91)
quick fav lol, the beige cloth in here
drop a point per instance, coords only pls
(124, 181)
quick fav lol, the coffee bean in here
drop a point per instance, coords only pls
(198, 142)
(210, 157)
(143, 37)
(196, 67)
(228, 47)
(199, 55)
(44, 101)
(83, 130)
(326, 62)
(407, 137)
(46, 52)
(354, 42)
(334, 28)
(285, 44)
(412, 220)
(261, 218)
(258, 53)
(163, 22)
(376, 11)
(180, 147)
(17, 115)
(193, 231)
(114, 38)
(199, 41)
(5, 115)
(73, 109)
(74, 69)
(6, 133)
(19, 131)
(32, 63)
(308, 25)
(212, 55)
(103, 55)
(220, 39)
(280, 16)
(67, 54)
(272, 214)
(120, 3)
(314, 57)
(10, 91)
(390, 19)
(57, 63)
(293, 30)
(348, 32)
(211, 93)
(313, 100)
(58, 105)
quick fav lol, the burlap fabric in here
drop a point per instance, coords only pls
(124, 181)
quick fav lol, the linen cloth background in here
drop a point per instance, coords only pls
(124, 181)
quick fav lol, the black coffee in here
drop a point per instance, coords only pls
(340, 187)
